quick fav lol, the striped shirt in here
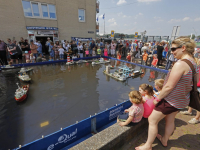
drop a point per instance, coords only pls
(179, 97)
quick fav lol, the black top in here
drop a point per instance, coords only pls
(11, 46)
(25, 44)
(160, 49)
(120, 45)
(73, 46)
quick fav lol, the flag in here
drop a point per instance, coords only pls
(97, 19)
(103, 16)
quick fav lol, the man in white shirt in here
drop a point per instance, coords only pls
(64, 45)
(113, 47)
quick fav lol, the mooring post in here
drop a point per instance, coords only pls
(93, 126)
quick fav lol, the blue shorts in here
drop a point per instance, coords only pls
(90, 51)
(52, 54)
(61, 56)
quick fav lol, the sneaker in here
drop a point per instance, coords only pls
(185, 113)
(193, 121)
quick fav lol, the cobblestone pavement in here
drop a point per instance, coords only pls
(185, 137)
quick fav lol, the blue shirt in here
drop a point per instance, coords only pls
(39, 47)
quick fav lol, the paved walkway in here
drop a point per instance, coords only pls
(185, 137)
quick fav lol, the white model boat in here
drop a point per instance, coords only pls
(116, 76)
(81, 61)
(25, 70)
(100, 61)
(136, 73)
(70, 63)
(24, 77)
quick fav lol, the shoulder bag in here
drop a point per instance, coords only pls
(194, 94)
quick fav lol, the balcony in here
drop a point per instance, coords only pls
(97, 27)
(97, 6)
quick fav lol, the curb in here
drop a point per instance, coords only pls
(112, 137)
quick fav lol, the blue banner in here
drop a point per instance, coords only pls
(81, 39)
(71, 134)
(40, 28)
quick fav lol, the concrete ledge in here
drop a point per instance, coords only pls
(112, 137)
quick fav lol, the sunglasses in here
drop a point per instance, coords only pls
(174, 48)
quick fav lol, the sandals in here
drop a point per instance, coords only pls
(159, 137)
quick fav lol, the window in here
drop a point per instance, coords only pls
(52, 11)
(81, 15)
(45, 10)
(35, 9)
(39, 10)
(27, 8)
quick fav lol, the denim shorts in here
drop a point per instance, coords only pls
(52, 54)
(61, 56)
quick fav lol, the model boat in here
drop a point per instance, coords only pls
(111, 67)
(100, 61)
(81, 61)
(25, 70)
(21, 93)
(24, 77)
(136, 73)
(8, 67)
(116, 76)
(70, 63)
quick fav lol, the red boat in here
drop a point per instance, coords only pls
(21, 93)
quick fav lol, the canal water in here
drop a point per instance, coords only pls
(60, 95)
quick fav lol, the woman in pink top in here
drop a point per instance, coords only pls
(147, 92)
(135, 112)
(175, 94)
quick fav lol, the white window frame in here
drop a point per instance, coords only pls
(84, 16)
(40, 10)
(47, 10)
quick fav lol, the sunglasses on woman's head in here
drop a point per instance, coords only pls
(174, 48)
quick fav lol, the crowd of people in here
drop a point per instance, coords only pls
(172, 96)
(150, 53)
(25, 52)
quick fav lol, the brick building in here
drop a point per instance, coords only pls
(57, 19)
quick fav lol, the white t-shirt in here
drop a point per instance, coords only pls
(80, 47)
(32, 58)
(74, 57)
(61, 51)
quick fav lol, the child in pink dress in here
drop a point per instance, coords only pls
(87, 53)
(135, 112)
(146, 91)
(105, 52)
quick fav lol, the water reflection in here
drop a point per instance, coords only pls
(59, 96)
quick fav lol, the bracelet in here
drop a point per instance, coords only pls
(158, 100)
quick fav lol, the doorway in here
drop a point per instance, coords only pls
(43, 40)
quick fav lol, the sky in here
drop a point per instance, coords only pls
(157, 17)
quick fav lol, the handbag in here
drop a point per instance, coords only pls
(194, 94)
(123, 116)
